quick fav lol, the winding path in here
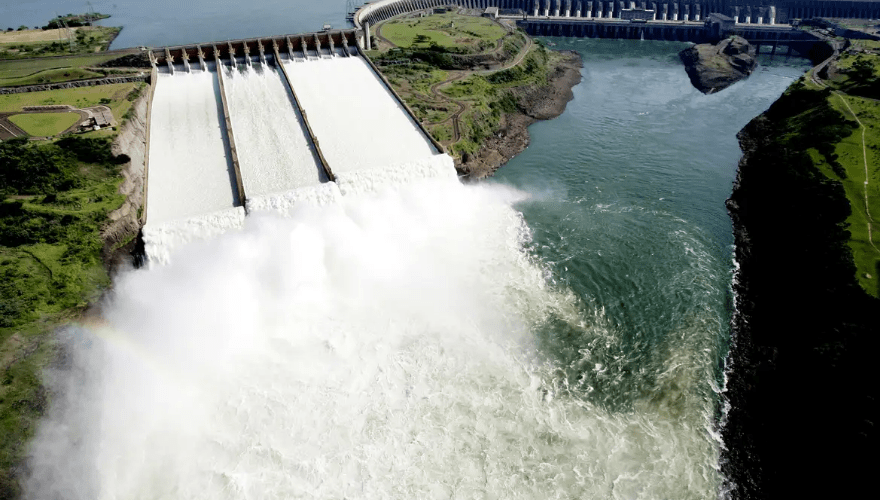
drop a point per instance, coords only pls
(437, 96)
(865, 158)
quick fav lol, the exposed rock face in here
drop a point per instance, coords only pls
(124, 223)
(715, 67)
(74, 84)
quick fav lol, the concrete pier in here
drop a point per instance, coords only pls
(763, 12)
(324, 164)
(233, 153)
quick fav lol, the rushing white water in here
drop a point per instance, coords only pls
(274, 153)
(351, 111)
(161, 240)
(380, 347)
(189, 171)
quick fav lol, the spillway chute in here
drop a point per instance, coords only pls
(265, 125)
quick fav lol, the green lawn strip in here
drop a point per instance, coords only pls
(450, 30)
(850, 155)
(45, 124)
(55, 75)
(11, 70)
(81, 97)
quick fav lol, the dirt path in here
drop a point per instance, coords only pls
(865, 158)
(435, 92)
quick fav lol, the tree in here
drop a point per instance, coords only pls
(863, 70)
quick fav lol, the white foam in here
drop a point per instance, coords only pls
(274, 152)
(283, 203)
(381, 347)
(394, 176)
(162, 240)
(189, 172)
(351, 111)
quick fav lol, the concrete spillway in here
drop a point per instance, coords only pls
(274, 150)
(190, 172)
(266, 134)
(351, 111)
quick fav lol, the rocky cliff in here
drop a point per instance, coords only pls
(715, 67)
(124, 223)
(801, 384)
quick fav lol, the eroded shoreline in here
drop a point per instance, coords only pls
(534, 103)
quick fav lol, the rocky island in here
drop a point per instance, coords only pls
(715, 67)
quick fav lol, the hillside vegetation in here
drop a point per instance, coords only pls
(801, 390)
(460, 74)
(55, 199)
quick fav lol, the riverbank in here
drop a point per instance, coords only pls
(800, 384)
(533, 103)
(474, 83)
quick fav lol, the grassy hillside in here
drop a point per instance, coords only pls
(852, 90)
(801, 389)
(55, 199)
(51, 69)
(437, 64)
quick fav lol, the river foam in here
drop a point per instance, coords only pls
(383, 346)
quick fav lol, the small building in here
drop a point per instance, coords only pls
(104, 118)
(491, 12)
(440, 10)
(101, 118)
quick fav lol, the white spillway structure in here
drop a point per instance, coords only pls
(190, 172)
(368, 139)
(352, 112)
(191, 187)
(275, 153)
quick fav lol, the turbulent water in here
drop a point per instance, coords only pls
(359, 116)
(558, 332)
(190, 173)
(275, 155)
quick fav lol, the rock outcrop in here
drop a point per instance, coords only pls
(123, 223)
(715, 67)
(75, 84)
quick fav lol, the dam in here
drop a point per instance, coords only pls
(262, 124)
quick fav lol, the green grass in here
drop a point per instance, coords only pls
(448, 30)
(868, 44)
(849, 150)
(53, 76)
(45, 124)
(16, 71)
(442, 132)
(433, 41)
(119, 94)
(51, 268)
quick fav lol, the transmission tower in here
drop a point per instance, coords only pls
(68, 32)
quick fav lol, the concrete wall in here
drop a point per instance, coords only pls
(743, 11)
